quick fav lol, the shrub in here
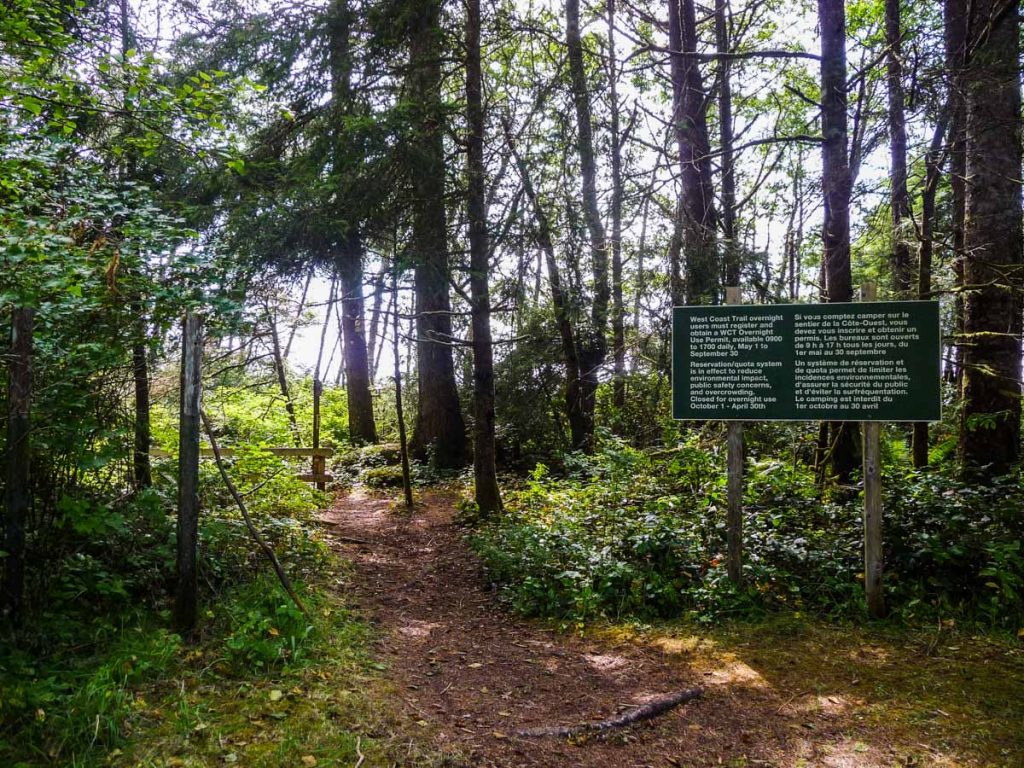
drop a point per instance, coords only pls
(627, 533)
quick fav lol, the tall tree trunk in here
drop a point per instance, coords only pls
(186, 593)
(990, 417)
(141, 467)
(373, 338)
(485, 478)
(689, 116)
(618, 310)
(361, 425)
(899, 196)
(836, 183)
(439, 426)
(727, 160)
(593, 346)
(17, 489)
(955, 21)
(933, 172)
(349, 266)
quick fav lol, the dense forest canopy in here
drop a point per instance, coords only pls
(420, 244)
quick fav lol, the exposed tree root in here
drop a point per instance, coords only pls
(651, 709)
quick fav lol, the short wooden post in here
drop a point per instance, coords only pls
(319, 463)
(734, 516)
(185, 597)
(17, 491)
(873, 564)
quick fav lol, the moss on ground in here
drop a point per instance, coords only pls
(945, 697)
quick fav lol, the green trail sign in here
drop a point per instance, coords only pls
(876, 361)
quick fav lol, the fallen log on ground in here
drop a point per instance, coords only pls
(651, 709)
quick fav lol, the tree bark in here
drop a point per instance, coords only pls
(186, 593)
(727, 159)
(990, 417)
(933, 172)
(141, 466)
(955, 23)
(485, 477)
(361, 425)
(836, 184)
(593, 346)
(142, 472)
(349, 264)
(899, 196)
(697, 219)
(439, 428)
(17, 489)
(373, 337)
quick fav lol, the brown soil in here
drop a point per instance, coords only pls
(470, 675)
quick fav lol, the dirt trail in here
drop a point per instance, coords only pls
(474, 674)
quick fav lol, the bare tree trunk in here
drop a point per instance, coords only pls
(439, 428)
(17, 489)
(349, 263)
(141, 466)
(361, 425)
(696, 239)
(727, 160)
(955, 21)
(593, 346)
(899, 196)
(836, 183)
(993, 263)
(372, 338)
(186, 593)
(618, 310)
(933, 172)
(485, 477)
(142, 434)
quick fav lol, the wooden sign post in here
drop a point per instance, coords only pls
(734, 516)
(871, 430)
(185, 596)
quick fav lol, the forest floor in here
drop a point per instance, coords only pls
(793, 692)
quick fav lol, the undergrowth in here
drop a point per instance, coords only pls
(95, 678)
(628, 533)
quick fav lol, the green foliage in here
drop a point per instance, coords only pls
(383, 477)
(264, 629)
(624, 533)
(68, 705)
